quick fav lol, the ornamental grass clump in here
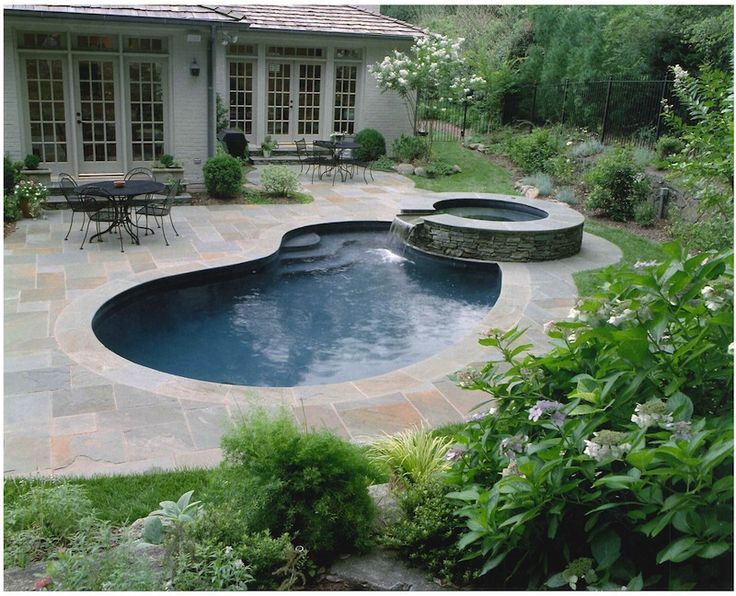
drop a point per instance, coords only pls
(608, 460)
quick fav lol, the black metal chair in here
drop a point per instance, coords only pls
(68, 186)
(160, 209)
(355, 162)
(139, 173)
(101, 207)
(314, 159)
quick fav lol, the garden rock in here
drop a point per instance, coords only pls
(380, 570)
(16, 579)
(405, 168)
(531, 192)
(420, 171)
(456, 169)
(388, 508)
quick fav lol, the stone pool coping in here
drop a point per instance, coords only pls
(74, 408)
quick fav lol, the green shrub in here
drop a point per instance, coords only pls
(616, 184)
(279, 180)
(167, 161)
(438, 168)
(587, 148)
(407, 148)
(643, 156)
(542, 182)
(98, 560)
(532, 152)
(567, 195)
(42, 518)
(411, 456)
(668, 146)
(372, 144)
(428, 533)
(11, 173)
(645, 214)
(313, 485)
(11, 208)
(31, 161)
(562, 169)
(383, 164)
(207, 566)
(598, 450)
(711, 231)
(223, 176)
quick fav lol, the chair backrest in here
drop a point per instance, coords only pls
(94, 198)
(301, 147)
(140, 173)
(171, 190)
(68, 185)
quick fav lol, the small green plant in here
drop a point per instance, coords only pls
(31, 161)
(279, 181)
(209, 567)
(269, 143)
(587, 148)
(412, 456)
(11, 173)
(616, 185)
(643, 156)
(372, 144)
(383, 164)
(562, 168)
(407, 149)
(11, 209)
(166, 161)
(99, 560)
(438, 168)
(645, 214)
(223, 176)
(221, 114)
(532, 152)
(171, 516)
(542, 182)
(567, 195)
(668, 146)
(312, 485)
(42, 518)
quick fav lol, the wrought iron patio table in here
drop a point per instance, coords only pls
(126, 197)
(338, 149)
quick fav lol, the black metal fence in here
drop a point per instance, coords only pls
(622, 111)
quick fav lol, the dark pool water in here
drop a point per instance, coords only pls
(492, 213)
(345, 308)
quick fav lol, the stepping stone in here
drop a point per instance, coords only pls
(380, 570)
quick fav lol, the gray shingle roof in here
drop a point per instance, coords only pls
(304, 18)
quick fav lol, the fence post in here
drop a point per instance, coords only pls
(605, 109)
(564, 101)
(659, 113)
(534, 103)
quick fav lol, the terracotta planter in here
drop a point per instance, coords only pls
(25, 208)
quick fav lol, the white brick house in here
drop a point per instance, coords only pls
(102, 89)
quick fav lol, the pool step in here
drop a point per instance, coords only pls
(301, 242)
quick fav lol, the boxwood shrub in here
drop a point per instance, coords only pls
(223, 176)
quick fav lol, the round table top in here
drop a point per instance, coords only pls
(131, 188)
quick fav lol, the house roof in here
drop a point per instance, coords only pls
(303, 18)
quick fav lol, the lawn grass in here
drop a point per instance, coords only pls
(123, 499)
(478, 173)
(634, 248)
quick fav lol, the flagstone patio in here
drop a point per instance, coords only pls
(74, 408)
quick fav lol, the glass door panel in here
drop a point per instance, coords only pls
(310, 87)
(279, 100)
(46, 113)
(146, 111)
(97, 117)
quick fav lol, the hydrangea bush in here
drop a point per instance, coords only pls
(607, 462)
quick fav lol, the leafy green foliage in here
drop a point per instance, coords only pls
(562, 168)
(311, 485)
(407, 148)
(97, 560)
(616, 185)
(166, 161)
(383, 164)
(223, 176)
(372, 144)
(411, 456)
(532, 152)
(438, 168)
(11, 208)
(279, 181)
(42, 518)
(205, 566)
(175, 514)
(31, 161)
(616, 445)
(11, 173)
(644, 214)
(587, 148)
(668, 146)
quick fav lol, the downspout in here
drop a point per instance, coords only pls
(211, 116)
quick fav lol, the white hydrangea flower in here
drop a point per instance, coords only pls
(707, 292)
(606, 444)
(652, 413)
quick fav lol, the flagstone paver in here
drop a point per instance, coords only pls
(74, 408)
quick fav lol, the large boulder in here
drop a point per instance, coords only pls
(405, 168)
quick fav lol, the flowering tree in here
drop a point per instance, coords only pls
(433, 67)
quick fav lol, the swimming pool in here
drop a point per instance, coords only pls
(338, 302)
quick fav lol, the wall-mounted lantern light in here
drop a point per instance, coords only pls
(194, 68)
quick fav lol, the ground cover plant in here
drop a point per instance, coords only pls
(607, 461)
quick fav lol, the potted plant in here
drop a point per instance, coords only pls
(29, 195)
(31, 171)
(166, 168)
(268, 145)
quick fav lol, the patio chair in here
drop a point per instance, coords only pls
(100, 207)
(139, 173)
(68, 186)
(160, 209)
(314, 159)
(355, 162)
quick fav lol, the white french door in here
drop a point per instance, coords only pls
(294, 100)
(97, 115)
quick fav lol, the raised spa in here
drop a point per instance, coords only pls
(496, 228)
(337, 302)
